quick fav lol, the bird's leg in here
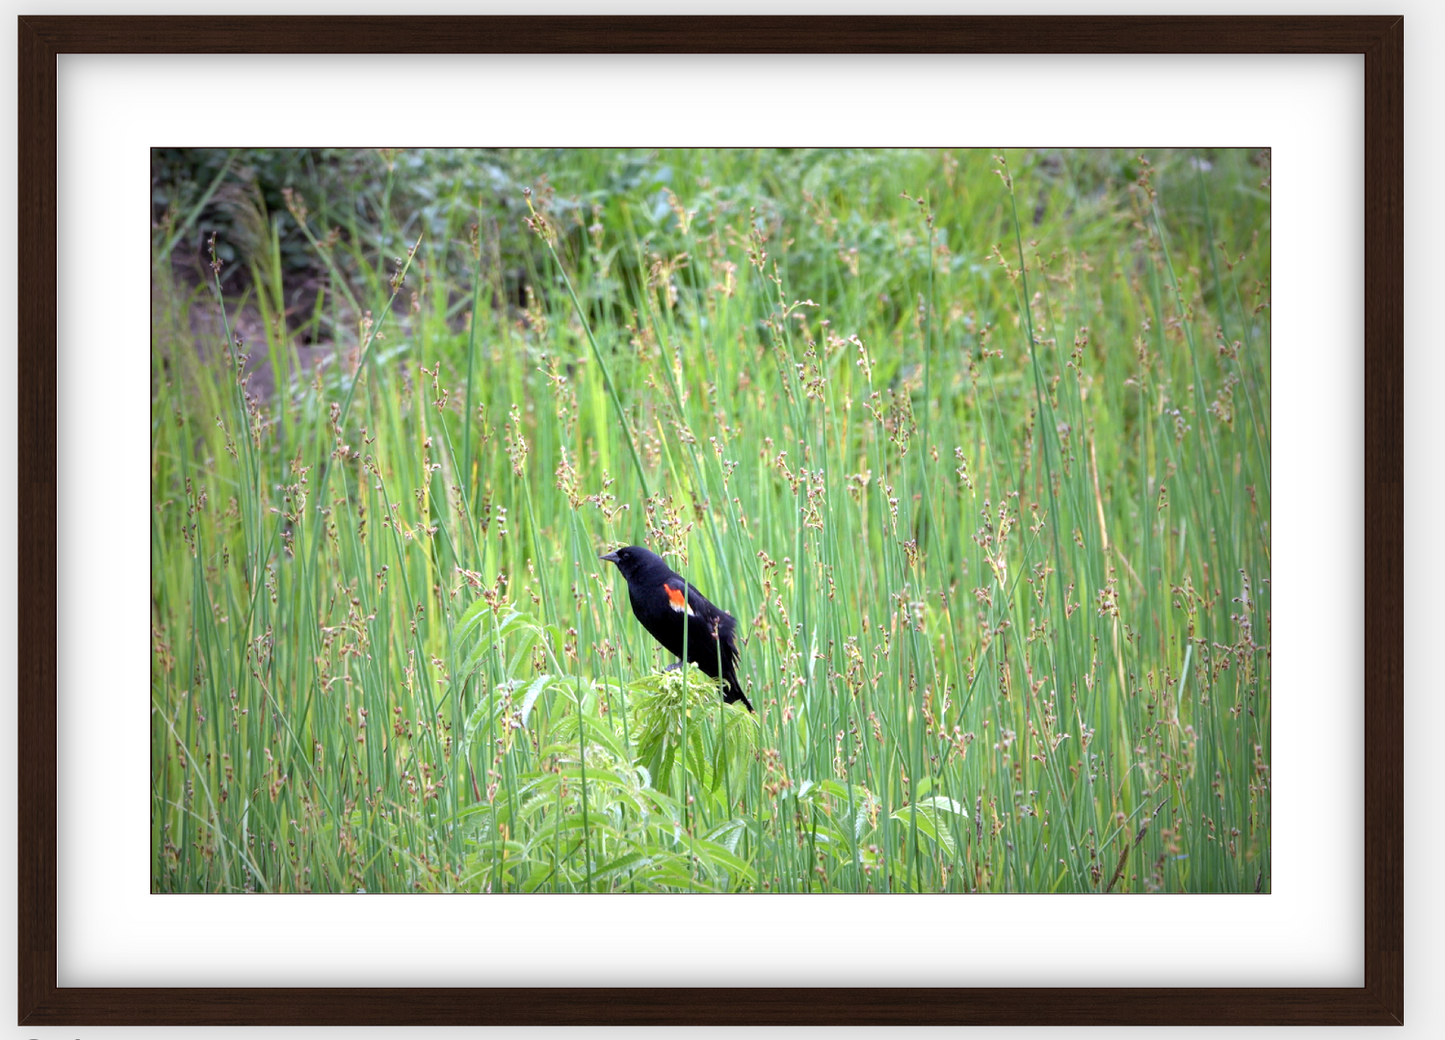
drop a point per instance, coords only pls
(673, 667)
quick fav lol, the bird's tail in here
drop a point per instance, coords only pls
(735, 692)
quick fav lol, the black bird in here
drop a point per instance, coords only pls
(658, 600)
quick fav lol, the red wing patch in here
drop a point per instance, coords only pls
(676, 599)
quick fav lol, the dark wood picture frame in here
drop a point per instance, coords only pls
(1379, 1001)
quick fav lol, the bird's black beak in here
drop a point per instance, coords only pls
(609, 557)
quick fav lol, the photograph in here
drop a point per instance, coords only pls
(737, 521)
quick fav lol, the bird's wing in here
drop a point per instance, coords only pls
(697, 605)
(726, 627)
(692, 603)
(700, 607)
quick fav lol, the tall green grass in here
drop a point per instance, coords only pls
(975, 447)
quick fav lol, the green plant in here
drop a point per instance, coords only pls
(976, 449)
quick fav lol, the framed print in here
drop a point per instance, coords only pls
(405, 445)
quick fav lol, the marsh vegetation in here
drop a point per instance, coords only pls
(976, 447)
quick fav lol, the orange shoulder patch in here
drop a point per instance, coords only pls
(675, 597)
